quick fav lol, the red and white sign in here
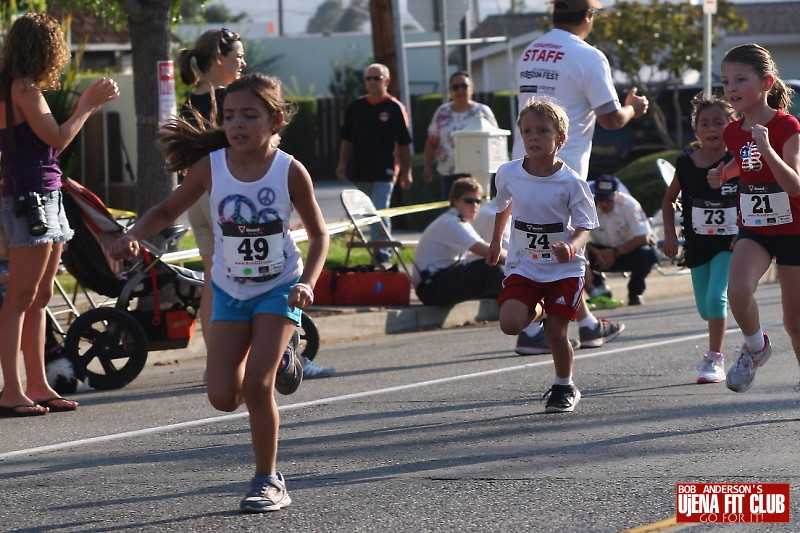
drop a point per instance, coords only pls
(167, 105)
(709, 7)
(726, 503)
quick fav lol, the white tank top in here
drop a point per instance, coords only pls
(253, 251)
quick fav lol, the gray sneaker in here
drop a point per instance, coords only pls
(537, 344)
(290, 371)
(743, 373)
(603, 332)
(561, 399)
(312, 370)
(267, 493)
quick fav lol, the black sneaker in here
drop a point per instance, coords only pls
(635, 299)
(562, 399)
(290, 371)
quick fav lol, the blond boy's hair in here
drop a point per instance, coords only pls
(546, 108)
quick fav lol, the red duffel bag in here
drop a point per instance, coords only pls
(362, 285)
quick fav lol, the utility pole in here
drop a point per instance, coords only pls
(383, 39)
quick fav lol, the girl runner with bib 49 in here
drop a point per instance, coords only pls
(765, 142)
(259, 281)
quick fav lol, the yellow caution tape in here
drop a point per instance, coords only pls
(300, 235)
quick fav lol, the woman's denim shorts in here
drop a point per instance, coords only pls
(58, 229)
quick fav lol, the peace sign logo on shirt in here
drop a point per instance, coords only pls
(266, 196)
(243, 211)
(751, 157)
(268, 215)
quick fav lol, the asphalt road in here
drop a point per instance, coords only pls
(439, 431)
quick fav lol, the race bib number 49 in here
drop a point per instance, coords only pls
(253, 250)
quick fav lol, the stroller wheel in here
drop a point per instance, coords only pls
(309, 338)
(108, 346)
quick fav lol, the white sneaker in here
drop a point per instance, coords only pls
(312, 370)
(741, 375)
(712, 368)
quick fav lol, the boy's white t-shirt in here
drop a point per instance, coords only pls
(539, 203)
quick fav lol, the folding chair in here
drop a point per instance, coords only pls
(666, 169)
(362, 213)
(667, 172)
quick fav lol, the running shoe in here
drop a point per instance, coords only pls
(743, 373)
(312, 370)
(712, 368)
(267, 493)
(537, 344)
(290, 371)
(561, 399)
(604, 331)
(603, 302)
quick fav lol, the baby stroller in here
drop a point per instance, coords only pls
(108, 345)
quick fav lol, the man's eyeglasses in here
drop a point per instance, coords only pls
(593, 11)
(373, 78)
(457, 86)
(472, 201)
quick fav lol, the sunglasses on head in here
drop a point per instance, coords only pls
(373, 78)
(227, 35)
(457, 86)
(472, 201)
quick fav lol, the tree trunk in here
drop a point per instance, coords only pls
(149, 22)
(383, 43)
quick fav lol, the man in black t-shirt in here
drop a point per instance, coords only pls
(376, 141)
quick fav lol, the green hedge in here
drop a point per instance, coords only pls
(423, 111)
(502, 111)
(298, 137)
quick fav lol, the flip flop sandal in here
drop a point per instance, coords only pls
(12, 412)
(58, 408)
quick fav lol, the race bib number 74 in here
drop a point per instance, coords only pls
(535, 240)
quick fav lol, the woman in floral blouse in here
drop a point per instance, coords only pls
(451, 117)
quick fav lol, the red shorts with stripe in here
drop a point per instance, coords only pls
(560, 298)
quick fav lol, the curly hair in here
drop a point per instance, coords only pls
(34, 48)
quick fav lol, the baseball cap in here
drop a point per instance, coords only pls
(605, 187)
(574, 6)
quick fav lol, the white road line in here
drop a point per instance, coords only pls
(336, 399)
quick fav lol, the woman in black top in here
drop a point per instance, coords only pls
(216, 60)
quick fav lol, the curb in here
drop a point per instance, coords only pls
(339, 324)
